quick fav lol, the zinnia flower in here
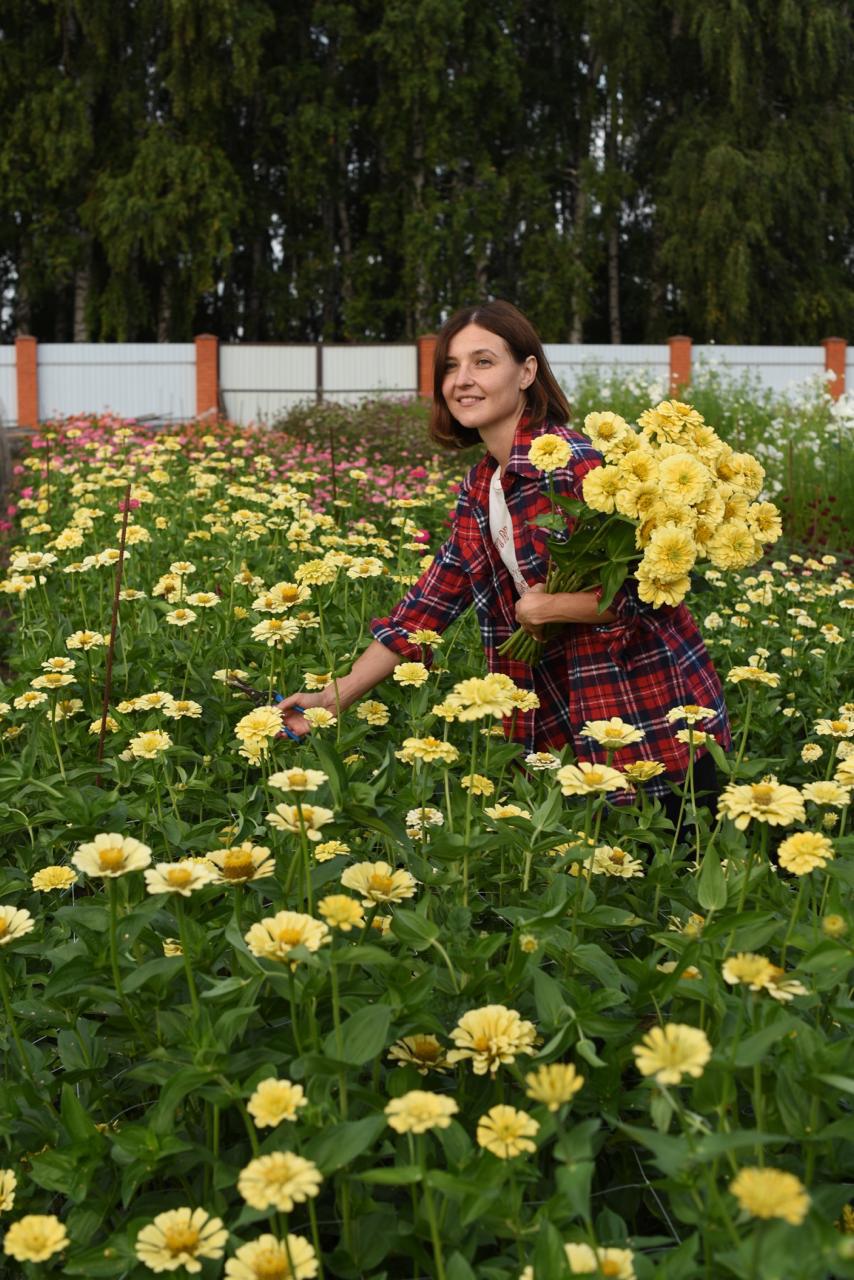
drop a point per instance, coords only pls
(506, 1132)
(483, 696)
(553, 1084)
(53, 878)
(275, 937)
(584, 1260)
(424, 1052)
(802, 852)
(150, 744)
(300, 817)
(180, 1238)
(341, 912)
(378, 882)
(830, 792)
(8, 1183)
(35, 1238)
(489, 1036)
(767, 801)
(428, 750)
(669, 1052)
(549, 452)
(270, 1259)
(756, 675)
(242, 862)
(670, 553)
(15, 922)
(420, 1111)
(412, 674)
(770, 1193)
(183, 877)
(375, 713)
(747, 968)
(274, 1101)
(612, 733)
(297, 779)
(111, 854)
(585, 779)
(279, 1181)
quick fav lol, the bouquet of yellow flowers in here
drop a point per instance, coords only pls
(670, 494)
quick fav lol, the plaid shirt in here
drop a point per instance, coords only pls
(638, 667)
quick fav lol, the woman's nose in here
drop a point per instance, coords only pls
(463, 376)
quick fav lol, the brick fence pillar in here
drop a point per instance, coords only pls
(207, 375)
(426, 351)
(27, 377)
(680, 363)
(835, 354)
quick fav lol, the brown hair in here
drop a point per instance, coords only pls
(545, 398)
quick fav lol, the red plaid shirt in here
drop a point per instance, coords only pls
(638, 667)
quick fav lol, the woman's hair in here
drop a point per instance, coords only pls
(544, 396)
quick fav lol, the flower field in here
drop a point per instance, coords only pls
(395, 1000)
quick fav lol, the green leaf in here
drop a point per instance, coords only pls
(754, 1047)
(399, 1175)
(612, 576)
(414, 929)
(711, 884)
(548, 995)
(364, 1035)
(180, 1084)
(670, 1154)
(549, 1255)
(458, 1269)
(78, 1122)
(843, 1083)
(160, 967)
(340, 1144)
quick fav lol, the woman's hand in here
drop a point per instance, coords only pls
(534, 610)
(296, 722)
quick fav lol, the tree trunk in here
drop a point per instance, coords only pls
(612, 161)
(164, 308)
(82, 291)
(23, 301)
(579, 222)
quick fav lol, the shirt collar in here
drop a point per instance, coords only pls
(518, 461)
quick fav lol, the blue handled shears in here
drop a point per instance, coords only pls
(261, 700)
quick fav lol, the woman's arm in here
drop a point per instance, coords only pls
(537, 607)
(372, 666)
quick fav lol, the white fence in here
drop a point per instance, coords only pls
(8, 386)
(133, 379)
(259, 382)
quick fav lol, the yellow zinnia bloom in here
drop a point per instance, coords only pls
(419, 1111)
(274, 1101)
(600, 488)
(428, 750)
(35, 1238)
(658, 591)
(275, 937)
(767, 801)
(770, 1193)
(506, 1132)
(53, 878)
(584, 1260)
(554, 1084)
(150, 744)
(549, 452)
(411, 674)
(670, 553)
(490, 1036)
(15, 922)
(424, 1052)
(183, 877)
(242, 862)
(612, 733)
(279, 1181)
(268, 1258)
(802, 852)
(378, 882)
(585, 779)
(180, 1238)
(748, 969)
(111, 854)
(341, 912)
(297, 779)
(300, 817)
(669, 1052)
(8, 1183)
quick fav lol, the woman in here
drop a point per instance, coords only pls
(492, 382)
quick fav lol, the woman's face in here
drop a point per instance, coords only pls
(483, 385)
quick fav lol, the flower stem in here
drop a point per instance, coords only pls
(188, 968)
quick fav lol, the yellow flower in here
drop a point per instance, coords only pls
(770, 1193)
(85, 640)
(612, 733)
(506, 1132)
(274, 1101)
(834, 926)
(183, 877)
(554, 1084)
(183, 708)
(428, 750)
(270, 1259)
(683, 477)
(584, 1260)
(297, 779)
(842, 728)
(610, 860)
(180, 1238)
(690, 972)
(756, 675)
(549, 452)
(784, 988)
(690, 713)
(319, 717)
(643, 770)
(52, 680)
(31, 698)
(111, 854)
(275, 937)
(15, 922)
(375, 713)
(499, 811)
(657, 592)
(411, 674)
(425, 636)
(276, 631)
(8, 1183)
(764, 521)
(748, 969)
(605, 429)
(172, 947)
(492, 695)
(259, 725)
(424, 1052)
(586, 779)
(802, 852)
(341, 912)
(601, 487)
(279, 1181)
(65, 708)
(419, 1111)
(670, 553)
(377, 882)
(669, 1052)
(330, 849)
(53, 878)
(477, 784)
(540, 760)
(35, 1238)
(150, 744)
(181, 617)
(489, 1036)
(242, 862)
(767, 801)
(300, 817)
(312, 681)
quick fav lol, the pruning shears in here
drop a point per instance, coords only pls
(263, 700)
